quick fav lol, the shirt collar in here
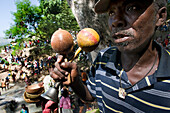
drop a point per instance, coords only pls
(114, 61)
(164, 62)
(163, 67)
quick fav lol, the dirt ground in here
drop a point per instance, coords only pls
(15, 93)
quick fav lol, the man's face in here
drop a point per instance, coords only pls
(132, 24)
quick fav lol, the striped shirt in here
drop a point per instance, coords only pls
(150, 95)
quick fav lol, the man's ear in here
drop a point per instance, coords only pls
(162, 14)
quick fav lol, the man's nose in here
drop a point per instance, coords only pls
(118, 19)
(118, 22)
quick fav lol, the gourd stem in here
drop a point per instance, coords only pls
(76, 53)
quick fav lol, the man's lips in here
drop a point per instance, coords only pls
(119, 38)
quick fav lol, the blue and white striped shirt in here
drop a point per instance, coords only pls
(149, 95)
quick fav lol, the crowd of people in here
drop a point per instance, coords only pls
(38, 42)
(27, 69)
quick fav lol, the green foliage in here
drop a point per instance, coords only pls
(42, 20)
(15, 31)
(57, 14)
(50, 6)
(67, 18)
(26, 19)
(18, 46)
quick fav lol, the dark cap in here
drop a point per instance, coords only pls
(103, 5)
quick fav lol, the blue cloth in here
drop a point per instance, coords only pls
(23, 111)
(151, 94)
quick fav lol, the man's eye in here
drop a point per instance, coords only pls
(132, 8)
(111, 13)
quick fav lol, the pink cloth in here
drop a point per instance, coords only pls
(65, 103)
(47, 105)
(46, 111)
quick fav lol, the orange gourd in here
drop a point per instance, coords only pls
(88, 39)
(62, 41)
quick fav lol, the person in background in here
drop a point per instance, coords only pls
(7, 82)
(13, 77)
(65, 102)
(24, 109)
(15, 70)
(27, 80)
(81, 105)
(41, 64)
(4, 66)
(0, 61)
(134, 74)
(50, 107)
(84, 79)
(3, 85)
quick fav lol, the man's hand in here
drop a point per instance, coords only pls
(64, 71)
(67, 72)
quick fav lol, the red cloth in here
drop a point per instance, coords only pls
(47, 105)
(166, 41)
(46, 111)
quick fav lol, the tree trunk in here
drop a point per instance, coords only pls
(83, 11)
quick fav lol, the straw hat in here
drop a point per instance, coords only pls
(30, 100)
(34, 96)
(34, 88)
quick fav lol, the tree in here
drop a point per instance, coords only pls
(26, 19)
(83, 11)
(168, 9)
(56, 14)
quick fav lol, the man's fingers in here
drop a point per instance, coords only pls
(59, 58)
(69, 65)
(64, 71)
(56, 74)
(59, 68)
